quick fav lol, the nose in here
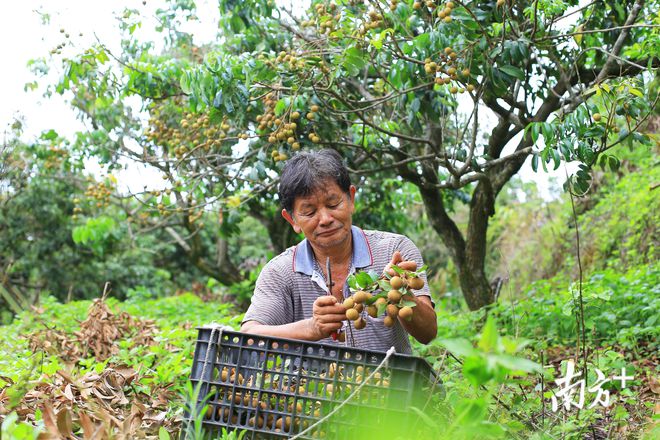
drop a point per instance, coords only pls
(325, 217)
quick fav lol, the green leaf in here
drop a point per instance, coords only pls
(352, 282)
(477, 371)
(384, 285)
(636, 92)
(397, 269)
(354, 61)
(163, 434)
(517, 364)
(409, 303)
(489, 336)
(421, 42)
(458, 346)
(363, 279)
(49, 135)
(279, 107)
(513, 71)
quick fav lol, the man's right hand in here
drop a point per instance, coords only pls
(327, 317)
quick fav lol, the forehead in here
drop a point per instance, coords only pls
(328, 190)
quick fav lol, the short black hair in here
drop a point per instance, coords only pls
(307, 171)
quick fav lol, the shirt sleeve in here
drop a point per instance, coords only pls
(272, 302)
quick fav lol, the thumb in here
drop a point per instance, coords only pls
(396, 257)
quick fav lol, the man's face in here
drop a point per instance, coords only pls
(325, 216)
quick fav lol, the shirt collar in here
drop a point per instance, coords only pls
(303, 255)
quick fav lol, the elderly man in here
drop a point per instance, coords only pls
(290, 298)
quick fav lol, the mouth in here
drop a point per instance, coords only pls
(327, 233)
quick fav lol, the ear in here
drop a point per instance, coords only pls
(351, 193)
(291, 221)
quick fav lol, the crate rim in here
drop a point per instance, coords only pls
(333, 346)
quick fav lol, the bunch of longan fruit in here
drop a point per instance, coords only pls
(390, 295)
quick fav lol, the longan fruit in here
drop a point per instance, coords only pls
(406, 313)
(416, 283)
(396, 282)
(348, 303)
(360, 296)
(372, 311)
(392, 311)
(360, 323)
(388, 321)
(352, 314)
(394, 296)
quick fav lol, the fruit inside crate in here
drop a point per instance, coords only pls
(275, 387)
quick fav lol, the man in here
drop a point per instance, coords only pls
(290, 298)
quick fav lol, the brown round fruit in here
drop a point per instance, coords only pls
(394, 296)
(352, 314)
(360, 323)
(416, 283)
(360, 296)
(596, 117)
(406, 313)
(396, 282)
(348, 303)
(388, 321)
(372, 311)
(392, 311)
(380, 301)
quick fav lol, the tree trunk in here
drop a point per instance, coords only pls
(468, 256)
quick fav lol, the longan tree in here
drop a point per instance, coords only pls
(452, 97)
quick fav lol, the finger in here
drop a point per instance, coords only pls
(329, 328)
(323, 311)
(408, 265)
(396, 257)
(329, 308)
(334, 310)
(325, 300)
(331, 319)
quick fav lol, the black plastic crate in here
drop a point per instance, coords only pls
(275, 387)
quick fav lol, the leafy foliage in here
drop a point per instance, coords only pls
(399, 88)
(157, 370)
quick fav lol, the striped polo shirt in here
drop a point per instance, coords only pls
(290, 283)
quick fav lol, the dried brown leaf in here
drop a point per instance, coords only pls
(48, 416)
(87, 425)
(64, 423)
